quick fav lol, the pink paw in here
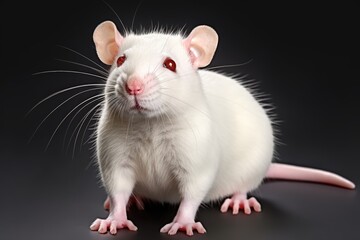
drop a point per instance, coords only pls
(111, 224)
(240, 201)
(172, 228)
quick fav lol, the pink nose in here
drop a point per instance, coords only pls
(134, 86)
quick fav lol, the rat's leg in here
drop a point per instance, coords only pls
(119, 185)
(133, 199)
(240, 201)
(193, 189)
(117, 218)
(185, 219)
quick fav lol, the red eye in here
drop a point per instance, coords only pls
(120, 60)
(170, 64)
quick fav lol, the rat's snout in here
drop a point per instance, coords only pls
(134, 85)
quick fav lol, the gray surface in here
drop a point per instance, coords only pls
(303, 58)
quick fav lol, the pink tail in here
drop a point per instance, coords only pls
(289, 172)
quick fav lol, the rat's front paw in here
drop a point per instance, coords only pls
(173, 227)
(112, 224)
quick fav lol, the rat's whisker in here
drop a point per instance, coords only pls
(63, 91)
(173, 78)
(61, 104)
(128, 128)
(167, 115)
(84, 65)
(81, 123)
(133, 19)
(101, 97)
(82, 55)
(96, 113)
(112, 9)
(160, 116)
(229, 65)
(112, 104)
(71, 71)
(187, 104)
(67, 115)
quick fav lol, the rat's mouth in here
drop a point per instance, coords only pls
(138, 107)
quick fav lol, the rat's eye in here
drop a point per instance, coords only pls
(120, 60)
(170, 64)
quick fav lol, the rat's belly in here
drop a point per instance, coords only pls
(154, 173)
(156, 183)
(159, 194)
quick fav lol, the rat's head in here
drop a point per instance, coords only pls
(154, 73)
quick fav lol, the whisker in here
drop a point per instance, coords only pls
(67, 115)
(185, 103)
(112, 9)
(128, 128)
(133, 19)
(96, 113)
(73, 118)
(82, 55)
(167, 115)
(84, 65)
(42, 122)
(161, 116)
(82, 123)
(70, 71)
(175, 78)
(112, 105)
(62, 91)
(229, 65)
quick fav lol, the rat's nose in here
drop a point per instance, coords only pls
(134, 86)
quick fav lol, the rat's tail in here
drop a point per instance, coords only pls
(289, 172)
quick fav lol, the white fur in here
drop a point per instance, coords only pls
(205, 137)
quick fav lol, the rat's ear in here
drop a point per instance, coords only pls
(107, 41)
(201, 44)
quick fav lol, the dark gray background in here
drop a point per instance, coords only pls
(303, 56)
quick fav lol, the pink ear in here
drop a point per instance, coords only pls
(107, 41)
(201, 45)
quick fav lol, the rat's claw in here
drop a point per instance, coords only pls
(95, 225)
(113, 228)
(200, 228)
(240, 201)
(174, 227)
(166, 228)
(225, 205)
(103, 225)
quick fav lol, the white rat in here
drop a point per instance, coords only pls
(170, 132)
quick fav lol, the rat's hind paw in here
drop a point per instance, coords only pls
(240, 201)
(172, 228)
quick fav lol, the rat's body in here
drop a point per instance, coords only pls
(161, 150)
(172, 133)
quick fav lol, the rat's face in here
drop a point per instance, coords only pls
(152, 75)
